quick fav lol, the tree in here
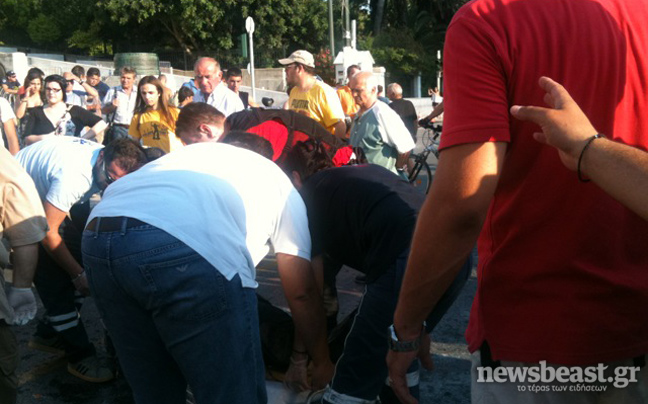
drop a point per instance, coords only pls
(43, 30)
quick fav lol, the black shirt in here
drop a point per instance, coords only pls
(405, 109)
(361, 216)
(38, 124)
(244, 97)
(102, 88)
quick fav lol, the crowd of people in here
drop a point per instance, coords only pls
(190, 207)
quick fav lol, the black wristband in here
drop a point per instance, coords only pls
(580, 158)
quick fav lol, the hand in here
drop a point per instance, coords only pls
(564, 125)
(322, 374)
(23, 302)
(81, 284)
(296, 377)
(399, 362)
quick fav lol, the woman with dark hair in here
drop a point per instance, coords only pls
(55, 117)
(154, 122)
(32, 96)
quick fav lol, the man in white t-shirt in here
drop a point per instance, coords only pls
(8, 120)
(212, 90)
(205, 216)
(67, 172)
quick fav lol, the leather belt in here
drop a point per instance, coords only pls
(123, 125)
(108, 224)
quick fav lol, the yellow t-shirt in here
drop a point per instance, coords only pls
(320, 103)
(155, 131)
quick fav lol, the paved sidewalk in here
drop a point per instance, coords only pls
(45, 380)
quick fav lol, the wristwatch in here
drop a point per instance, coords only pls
(402, 346)
(81, 82)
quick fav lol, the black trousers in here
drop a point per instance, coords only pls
(59, 296)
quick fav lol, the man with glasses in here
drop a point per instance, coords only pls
(67, 172)
(310, 96)
(120, 101)
(77, 96)
(212, 90)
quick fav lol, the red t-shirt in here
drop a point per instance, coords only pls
(563, 268)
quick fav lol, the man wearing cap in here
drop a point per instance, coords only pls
(10, 83)
(212, 90)
(312, 97)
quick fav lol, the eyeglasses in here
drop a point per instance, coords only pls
(70, 81)
(52, 90)
(290, 65)
(109, 179)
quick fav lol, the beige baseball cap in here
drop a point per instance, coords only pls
(300, 56)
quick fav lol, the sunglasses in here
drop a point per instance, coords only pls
(109, 179)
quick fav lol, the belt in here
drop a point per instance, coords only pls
(123, 125)
(107, 224)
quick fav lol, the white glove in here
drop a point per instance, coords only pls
(23, 302)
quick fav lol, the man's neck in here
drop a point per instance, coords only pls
(307, 83)
(363, 109)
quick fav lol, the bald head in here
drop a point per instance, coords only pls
(70, 84)
(364, 87)
(394, 91)
(208, 74)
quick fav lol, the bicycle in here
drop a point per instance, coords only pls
(431, 143)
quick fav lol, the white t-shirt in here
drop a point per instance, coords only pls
(61, 167)
(223, 99)
(228, 204)
(6, 112)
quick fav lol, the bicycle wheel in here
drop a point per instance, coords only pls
(421, 177)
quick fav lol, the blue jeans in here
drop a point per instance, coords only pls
(361, 371)
(174, 319)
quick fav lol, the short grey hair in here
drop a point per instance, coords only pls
(395, 89)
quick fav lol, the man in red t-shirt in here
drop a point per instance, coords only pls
(562, 265)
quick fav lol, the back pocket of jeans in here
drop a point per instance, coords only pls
(186, 289)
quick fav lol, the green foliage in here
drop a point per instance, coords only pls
(89, 40)
(397, 50)
(43, 30)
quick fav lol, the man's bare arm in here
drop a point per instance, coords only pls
(56, 248)
(339, 129)
(305, 303)
(24, 260)
(450, 220)
(12, 137)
